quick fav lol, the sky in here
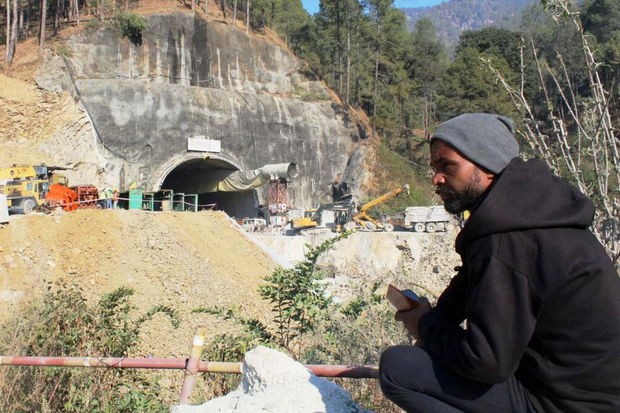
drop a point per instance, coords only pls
(312, 6)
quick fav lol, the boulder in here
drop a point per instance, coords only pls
(273, 382)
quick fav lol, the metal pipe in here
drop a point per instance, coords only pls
(323, 370)
(192, 365)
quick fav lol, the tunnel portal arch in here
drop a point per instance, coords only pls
(194, 174)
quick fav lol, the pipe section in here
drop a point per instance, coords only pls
(357, 372)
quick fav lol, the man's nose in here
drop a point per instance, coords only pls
(438, 179)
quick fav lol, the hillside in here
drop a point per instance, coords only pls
(455, 16)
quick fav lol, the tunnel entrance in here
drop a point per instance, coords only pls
(197, 176)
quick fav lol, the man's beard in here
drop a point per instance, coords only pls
(455, 202)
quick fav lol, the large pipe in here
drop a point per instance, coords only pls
(286, 171)
(246, 180)
(357, 372)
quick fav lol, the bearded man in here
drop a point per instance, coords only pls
(531, 321)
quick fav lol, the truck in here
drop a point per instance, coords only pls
(26, 186)
(427, 218)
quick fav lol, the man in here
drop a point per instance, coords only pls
(340, 189)
(531, 321)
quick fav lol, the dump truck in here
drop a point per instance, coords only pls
(427, 218)
(25, 186)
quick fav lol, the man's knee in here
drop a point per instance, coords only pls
(400, 369)
(388, 369)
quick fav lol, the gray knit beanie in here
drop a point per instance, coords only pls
(487, 140)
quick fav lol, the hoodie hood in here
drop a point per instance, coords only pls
(527, 196)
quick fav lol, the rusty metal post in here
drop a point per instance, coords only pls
(192, 365)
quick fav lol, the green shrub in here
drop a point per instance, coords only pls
(131, 26)
(63, 324)
(313, 329)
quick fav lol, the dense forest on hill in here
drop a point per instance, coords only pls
(556, 74)
(454, 16)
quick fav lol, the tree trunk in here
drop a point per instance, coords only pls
(247, 16)
(10, 51)
(234, 18)
(20, 28)
(338, 79)
(56, 17)
(42, 26)
(348, 87)
(8, 30)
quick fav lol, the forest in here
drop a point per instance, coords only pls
(556, 74)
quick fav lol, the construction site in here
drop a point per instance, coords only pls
(104, 183)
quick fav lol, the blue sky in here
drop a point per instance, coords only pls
(312, 6)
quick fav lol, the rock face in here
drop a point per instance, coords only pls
(192, 78)
(273, 382)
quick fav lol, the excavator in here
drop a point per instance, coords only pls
(364, 220)
(342, 211)
(346, 216)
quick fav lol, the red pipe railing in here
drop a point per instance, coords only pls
(191, 365)
(321, 370)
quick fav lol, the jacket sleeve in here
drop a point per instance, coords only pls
(500, 313)
(451, 303)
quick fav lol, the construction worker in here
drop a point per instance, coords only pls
(105, 198)
(115, 197)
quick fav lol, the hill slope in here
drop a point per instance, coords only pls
(454, 16)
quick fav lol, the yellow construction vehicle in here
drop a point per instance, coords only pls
(341, 210)
(364, 220)
(345, 215)
(25, 186)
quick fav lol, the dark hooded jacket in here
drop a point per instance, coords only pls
(540, 297)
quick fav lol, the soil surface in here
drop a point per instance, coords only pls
(181, 259)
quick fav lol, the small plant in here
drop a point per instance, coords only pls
(65, 325)
(309, 94)
(298, 298)
(131, 26)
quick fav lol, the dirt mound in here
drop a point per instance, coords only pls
(184, 260)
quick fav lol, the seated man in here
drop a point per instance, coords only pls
(531, 321)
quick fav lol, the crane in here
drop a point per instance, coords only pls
(366, 221)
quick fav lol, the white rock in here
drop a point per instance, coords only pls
(275, 383)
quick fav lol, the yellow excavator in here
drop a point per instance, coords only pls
(364, 220)
(342, 211)
(346, 216)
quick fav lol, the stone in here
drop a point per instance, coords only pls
(273, 382)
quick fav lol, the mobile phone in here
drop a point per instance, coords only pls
(403, 300)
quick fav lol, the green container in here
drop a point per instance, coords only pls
(135, 199)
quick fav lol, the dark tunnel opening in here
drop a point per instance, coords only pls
(198, 176)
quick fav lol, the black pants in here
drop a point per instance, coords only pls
(411, 379)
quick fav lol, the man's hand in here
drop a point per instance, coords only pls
(411, 318)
